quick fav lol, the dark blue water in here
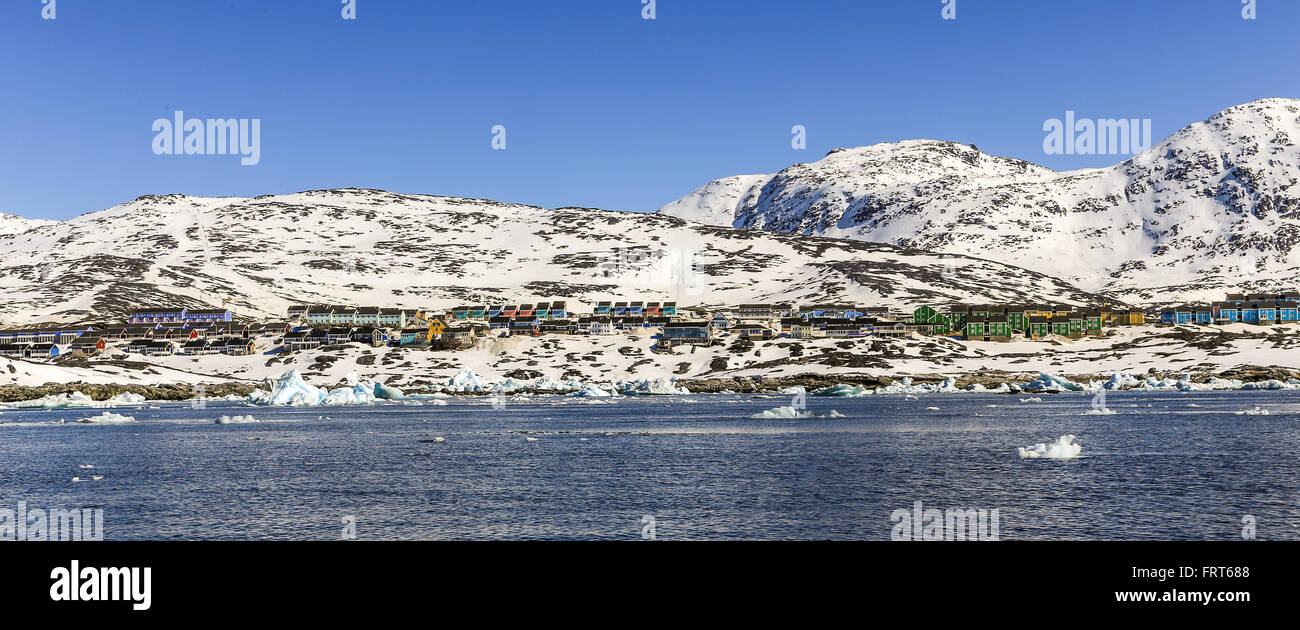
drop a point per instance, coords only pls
(700, 465)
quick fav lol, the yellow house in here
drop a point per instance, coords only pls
(436, 326)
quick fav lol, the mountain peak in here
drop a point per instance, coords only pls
(1214, 205)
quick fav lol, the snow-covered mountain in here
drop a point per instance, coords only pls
(13, 224)
(1212, 208)
(259, 255)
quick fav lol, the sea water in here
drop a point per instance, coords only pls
(1165, 465)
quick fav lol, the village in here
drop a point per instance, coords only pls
(198, 332)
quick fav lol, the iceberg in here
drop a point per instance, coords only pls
(107, 418)
(1063, 448)
(75, 400)
(291, 389)
(236, 420)
(652, 387)
(1052, 383)
(788, 411)
(592, 391)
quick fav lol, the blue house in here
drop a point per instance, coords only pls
(1227, 313)
(156, 315)
(620, 309)
(1250, 313)
(1183, 315)
(1203, 315)
(1288, 312)
(206, 315)
(602, 308)
(1267, 314)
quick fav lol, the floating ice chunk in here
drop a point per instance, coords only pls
(464, 381)
(531, 439)
(1062, 448)
(125, 398)
(793, 389)
(844, 391)
(291, 389)
(107, 418)
(1052, 383)
(236, 420)
(1100, 412)
(931, 408)
(652, 387)
(86, 466)
(593, 391)
(1256, 411)
(1031, 399)
(788, 411)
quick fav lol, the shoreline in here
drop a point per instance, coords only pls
(989, 379)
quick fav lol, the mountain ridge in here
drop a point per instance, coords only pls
(1211, 208)
(258, 255)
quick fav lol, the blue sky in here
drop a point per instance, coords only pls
(601, 108)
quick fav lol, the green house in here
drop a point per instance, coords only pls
(1061, 327)
(942, 324)
(1017, 318)
(998, 327)
(1039, 326)
(1076, 325)
(1092, 322)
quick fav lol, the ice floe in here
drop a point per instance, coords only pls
(236, 420)
(1256, 411)
(788, 411)
(1063, 448)
(291, 389)
(107, 418)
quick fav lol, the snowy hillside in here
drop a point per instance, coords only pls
(259, 255)
(1212, 208)
(13, 224)
(621, 357)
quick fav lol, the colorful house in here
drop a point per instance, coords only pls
(1227, 312)
(414, 337)
(941, 324)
